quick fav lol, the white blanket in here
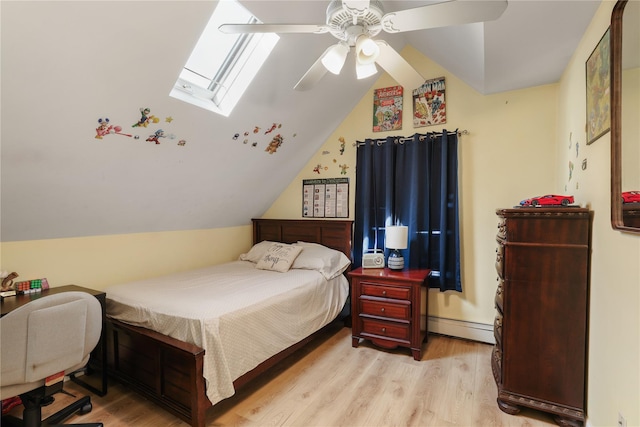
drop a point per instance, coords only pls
(240, 315)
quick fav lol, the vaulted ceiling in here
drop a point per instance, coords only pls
(66, 64)
(529, 45)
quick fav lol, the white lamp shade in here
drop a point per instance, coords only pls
(365, 70)
(367, 50)
(396, 236)
(334, 58)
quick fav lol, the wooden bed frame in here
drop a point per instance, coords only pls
(168, 371)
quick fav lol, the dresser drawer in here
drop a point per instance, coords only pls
(400, 310)
(385, 291)
(386, 329)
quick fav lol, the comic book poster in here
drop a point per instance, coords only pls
(429, 107)
(387, 109)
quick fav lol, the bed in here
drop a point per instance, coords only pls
(171, 352)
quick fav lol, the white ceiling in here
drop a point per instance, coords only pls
(529, 45)
(108, 59)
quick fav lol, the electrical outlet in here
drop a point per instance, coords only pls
(622, 422)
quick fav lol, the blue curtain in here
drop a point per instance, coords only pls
(413, 182)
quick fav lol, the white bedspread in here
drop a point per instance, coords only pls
(240, 315)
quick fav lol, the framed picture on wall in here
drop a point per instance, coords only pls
(429, 106)
(598, 72)
(387, 109)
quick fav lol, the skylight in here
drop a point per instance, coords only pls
(222, 66)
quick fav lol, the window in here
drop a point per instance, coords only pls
(222, 66)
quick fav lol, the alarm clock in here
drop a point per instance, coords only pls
(373, 259)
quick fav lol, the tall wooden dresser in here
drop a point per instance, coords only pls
(542, 304)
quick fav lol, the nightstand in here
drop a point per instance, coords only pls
(385, 307)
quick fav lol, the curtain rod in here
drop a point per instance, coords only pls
(422, 137)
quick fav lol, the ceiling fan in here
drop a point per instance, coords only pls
(355, 22)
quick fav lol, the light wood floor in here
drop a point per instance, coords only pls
(330, 383)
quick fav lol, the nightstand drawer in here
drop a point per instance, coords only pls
(379, 290)
(397, 310)
(385, 329)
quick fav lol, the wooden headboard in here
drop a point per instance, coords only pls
(335, 234)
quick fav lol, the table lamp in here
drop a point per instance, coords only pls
(395, 238)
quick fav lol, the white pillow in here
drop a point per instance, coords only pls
(257, 251)
(279, 257)
(329, 262)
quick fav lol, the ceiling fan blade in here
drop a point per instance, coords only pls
(313, 74)
(398, 67)
(273, 28)
(455, 12)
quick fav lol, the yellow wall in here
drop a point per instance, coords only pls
(614, 322)
(504, 158)
(98, 261)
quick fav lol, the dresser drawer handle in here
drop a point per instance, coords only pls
(384, 293)
(382, 309)
(383, 330)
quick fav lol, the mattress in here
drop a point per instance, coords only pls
(240, 315)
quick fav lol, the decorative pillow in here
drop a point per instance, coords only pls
(279, 257)
(329, 262)
(257, 251)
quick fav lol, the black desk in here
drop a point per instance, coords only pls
(98, 361)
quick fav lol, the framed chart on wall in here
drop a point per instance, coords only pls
(325, 198)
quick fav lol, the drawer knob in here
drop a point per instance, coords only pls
(382, 309)
(384, 330)
(384, 293)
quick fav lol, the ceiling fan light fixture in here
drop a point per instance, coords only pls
(334, 57)
(365, 70)
(367, 50)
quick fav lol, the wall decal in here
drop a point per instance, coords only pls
(272, 142)
(429, 107)
(272, 128)
(325, 152)
(342, 145)
(387, 109)
(319, 168)
(343, 169)
(155, 137)
(275, 143)
(145, 118)
(584, 164)
(570, 170)
(104, 128)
